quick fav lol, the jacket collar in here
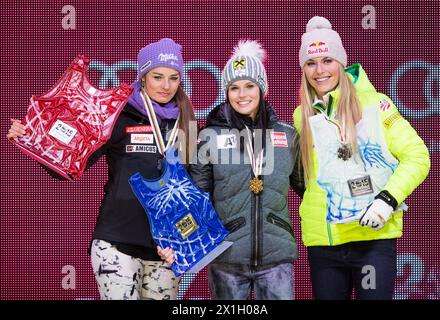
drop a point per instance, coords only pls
(361, 82)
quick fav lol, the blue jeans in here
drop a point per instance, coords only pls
(235, 282)
(370, 267)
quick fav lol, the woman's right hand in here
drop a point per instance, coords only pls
(166, 254)
(16, 130)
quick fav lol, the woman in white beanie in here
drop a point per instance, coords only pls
(361, 159)
(246, 161)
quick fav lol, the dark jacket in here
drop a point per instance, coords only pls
(259, 225)
(122, 220)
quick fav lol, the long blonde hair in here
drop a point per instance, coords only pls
(348, 109)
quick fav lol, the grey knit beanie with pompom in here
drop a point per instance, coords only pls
(246, 63)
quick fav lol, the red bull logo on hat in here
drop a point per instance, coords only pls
(317, 47)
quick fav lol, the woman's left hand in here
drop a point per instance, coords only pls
(166, 254)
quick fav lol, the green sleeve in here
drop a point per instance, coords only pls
(405, 144)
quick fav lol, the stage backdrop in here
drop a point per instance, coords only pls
(46, 224)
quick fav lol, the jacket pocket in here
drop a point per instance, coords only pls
(272, 218)
(235, 224)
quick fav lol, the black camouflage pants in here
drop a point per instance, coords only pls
(122, 277)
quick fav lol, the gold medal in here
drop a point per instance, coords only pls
(256, 185)
(344, 151)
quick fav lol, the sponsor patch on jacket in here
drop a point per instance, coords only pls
(384, 105)
(226, 141)
(278, 139)
(392, 119)
(138, 129)
(140, 148)
(143, 138)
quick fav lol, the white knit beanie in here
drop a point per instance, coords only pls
(246, 63)
(320, 40)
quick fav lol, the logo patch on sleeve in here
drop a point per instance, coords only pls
(392, 119)
(279, 139)
(227, 141)
(384, 105)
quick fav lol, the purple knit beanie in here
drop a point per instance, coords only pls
(163, 53)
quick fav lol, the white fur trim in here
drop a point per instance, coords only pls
(249, 48)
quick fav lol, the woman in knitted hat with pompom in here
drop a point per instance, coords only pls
(246, 161)
(361, 159)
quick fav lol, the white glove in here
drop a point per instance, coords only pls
(376, 214)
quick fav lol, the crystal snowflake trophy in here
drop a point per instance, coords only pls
(181, 216)
(71, 121)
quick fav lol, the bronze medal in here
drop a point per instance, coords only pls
(344, 152)
(256, 185)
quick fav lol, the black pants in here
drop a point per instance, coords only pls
(368, 267)
(235, 282)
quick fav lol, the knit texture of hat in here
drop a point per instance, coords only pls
(246, 63)
(163, 53)
(320, 40)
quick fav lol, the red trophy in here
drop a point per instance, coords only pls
(71, 121)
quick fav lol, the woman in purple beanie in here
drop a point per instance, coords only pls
(125, 260)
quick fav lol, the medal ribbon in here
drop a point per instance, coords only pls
(256, 163)
(341, 131)
(319, 106)
(155, 125)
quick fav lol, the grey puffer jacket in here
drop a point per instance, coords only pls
(260, 225)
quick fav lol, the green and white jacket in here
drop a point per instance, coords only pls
(391, 157)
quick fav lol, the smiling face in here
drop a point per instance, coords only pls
(323, 74)
(161, 84)
(244, 96)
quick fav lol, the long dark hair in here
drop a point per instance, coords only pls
(186, 115)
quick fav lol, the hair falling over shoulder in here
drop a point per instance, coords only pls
(349, 114)
(186, 117)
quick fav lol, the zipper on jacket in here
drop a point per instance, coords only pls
(255, 238)
(272, 218)
(330, 113)
(235, 224)
(255, 247)
(329, 232)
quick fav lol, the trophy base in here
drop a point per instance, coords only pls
(209, 257)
